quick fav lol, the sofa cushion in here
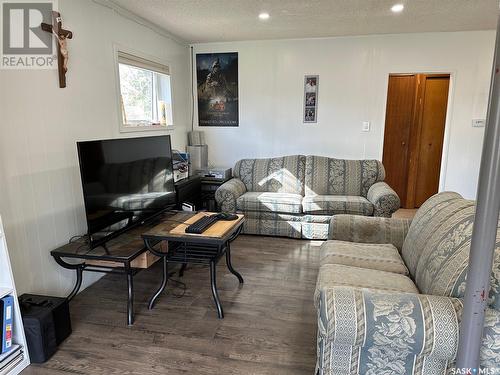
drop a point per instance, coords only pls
(332, 275)
(437, 246)
(328, 176)
(382, 257)
(436, 249)
(356, 228)
(445, 255)
(315, 227)
(272, 227)
(428, 218)
(337, 204)
(278, 175)
(271, 202)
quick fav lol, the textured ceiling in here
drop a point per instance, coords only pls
(198, 21)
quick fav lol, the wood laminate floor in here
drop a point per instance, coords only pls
(405, 213)
(269, 325)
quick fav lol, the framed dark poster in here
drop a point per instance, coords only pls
(217, 88)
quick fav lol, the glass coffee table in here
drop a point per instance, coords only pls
(125, 254)
(187, 248)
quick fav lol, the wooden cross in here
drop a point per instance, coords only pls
(62, 48)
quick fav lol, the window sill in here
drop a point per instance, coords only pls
(144, 128)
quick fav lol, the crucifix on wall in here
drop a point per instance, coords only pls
(62, 48)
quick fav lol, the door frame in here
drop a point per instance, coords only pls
(447, 125)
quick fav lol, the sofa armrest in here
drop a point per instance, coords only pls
(227, 194)
(396, 325)
(356, 228)
(384, 199)
(490, 350)
(404, 324)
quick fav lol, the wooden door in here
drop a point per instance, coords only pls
(432, 125)
(414, 133)
(401, 96)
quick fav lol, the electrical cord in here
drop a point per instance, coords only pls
(192, 90)
(181, 286)
(79, 237)
(85, 244)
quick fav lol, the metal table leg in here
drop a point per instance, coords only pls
(163, 283)
(183, 268)
(213, 281)
(79, 275)
(78, 283)
(130, 300)
(230, 266)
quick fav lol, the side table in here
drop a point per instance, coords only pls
(208, 188)
(189, 190)
(184, 248)
(125, 255)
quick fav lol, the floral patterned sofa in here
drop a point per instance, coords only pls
(296, 196)
(389, 292)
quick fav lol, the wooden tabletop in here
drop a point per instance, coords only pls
(175, 227)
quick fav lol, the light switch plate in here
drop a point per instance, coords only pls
(366, 126)
(478, 123)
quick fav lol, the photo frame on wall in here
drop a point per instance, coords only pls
(217, 89)
(311, 85)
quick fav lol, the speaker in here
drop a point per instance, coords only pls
(47, 324)
(198, 157)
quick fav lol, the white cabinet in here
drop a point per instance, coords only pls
(7, 287)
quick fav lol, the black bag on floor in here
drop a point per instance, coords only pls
(46, 324)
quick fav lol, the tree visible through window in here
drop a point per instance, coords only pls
(144, 93)
(137, 94)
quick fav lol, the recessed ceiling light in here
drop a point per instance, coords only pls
(396, 8)
(264, 16)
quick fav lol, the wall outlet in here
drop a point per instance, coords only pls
(478, 123)
(366, 126)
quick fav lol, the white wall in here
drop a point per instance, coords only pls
(352, 88)
(41, 200)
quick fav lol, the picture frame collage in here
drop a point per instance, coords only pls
(311, 85)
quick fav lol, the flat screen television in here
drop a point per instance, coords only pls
(125, 182)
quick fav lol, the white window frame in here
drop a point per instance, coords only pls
(140, 60)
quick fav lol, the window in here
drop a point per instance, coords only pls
(145, 93)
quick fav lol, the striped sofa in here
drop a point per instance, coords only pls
(296, 196)
(389, 293)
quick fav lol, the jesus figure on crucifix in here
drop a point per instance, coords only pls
(62, 47)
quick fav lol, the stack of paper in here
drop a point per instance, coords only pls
(11, 359)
